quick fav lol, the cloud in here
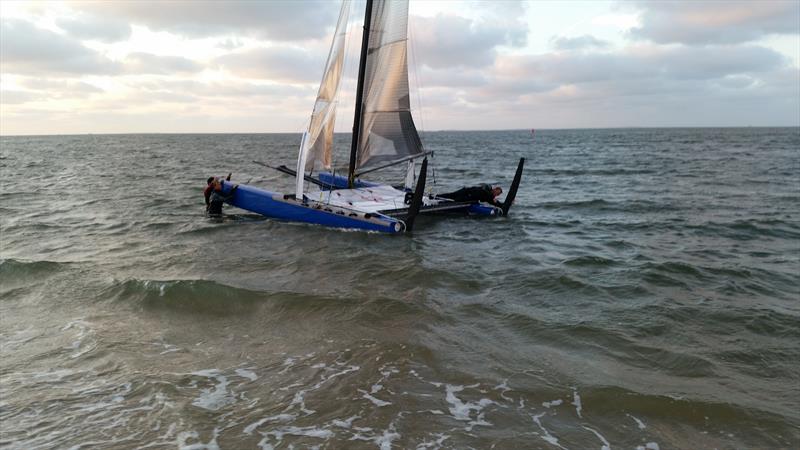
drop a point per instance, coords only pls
(577, 43)
(644, 62)
(462, 78)
(15, 97)
(226, 89)
(281, 20)
(453, 41)
(61, 88)
(146, 63)
(28, 49)
(38, 89)
(715, 22)
(88, 27)
(287, 64)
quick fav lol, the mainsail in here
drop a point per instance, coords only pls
(386, 132)
(317, 145)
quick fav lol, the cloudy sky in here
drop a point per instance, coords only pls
(253, 66)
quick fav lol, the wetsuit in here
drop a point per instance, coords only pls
(216, 199)
(480, 193)
(207, 191)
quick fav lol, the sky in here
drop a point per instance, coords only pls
(254, 66)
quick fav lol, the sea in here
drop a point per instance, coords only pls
(643, 293)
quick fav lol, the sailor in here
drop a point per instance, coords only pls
(480, 193)
(209, 187)
(217, 198)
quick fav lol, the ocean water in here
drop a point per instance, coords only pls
(643, 294)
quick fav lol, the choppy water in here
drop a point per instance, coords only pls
(643, 294)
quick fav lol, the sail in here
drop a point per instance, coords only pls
(317, 146)
(387, 128)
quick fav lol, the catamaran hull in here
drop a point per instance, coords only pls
(277, 206)
(478, 209)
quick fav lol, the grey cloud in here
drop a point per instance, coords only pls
(27, 49)
(95, 28)
(277, 19)
(642, 86)
(715, 22)
(450, 78)
(61, 87)
(506, 15)
(45, 89)
(14, 97)
(454, 41)
(684, 63)
(230, 44)
(577, 43)
(288, 64)
(146, 63)
(228, 89)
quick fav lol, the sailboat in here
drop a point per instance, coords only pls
(384, 135)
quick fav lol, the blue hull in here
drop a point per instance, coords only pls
(277, 206)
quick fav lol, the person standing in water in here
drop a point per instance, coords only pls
(210, 187)
(215, 197)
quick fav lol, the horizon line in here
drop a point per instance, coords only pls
(420, 131)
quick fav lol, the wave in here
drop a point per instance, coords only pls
(590, 261)
(198, 296)
(602, 205)
(591, 172)
(750, 229)
(208, 297)
(14, 269)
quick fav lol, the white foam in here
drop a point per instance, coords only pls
(552, 403)
(279, 418)
(441, 437)
(385, 440)
(503, 388)
(376, 401)
(278, 434)
(547, 436)
(389, 371)
(186, 435)
(606, 445)
(576, 401)
(299, 399)
(346, 423)
(169, 349)
(479, 421)
(249, 374)
(639, 423)
(216, 398)
(648, 446)
(461, 410)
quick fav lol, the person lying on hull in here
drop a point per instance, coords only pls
(481, 193)
(215, 197)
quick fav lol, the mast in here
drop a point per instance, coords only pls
(362, 63)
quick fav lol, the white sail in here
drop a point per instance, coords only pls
(387, 128)
(316, 148)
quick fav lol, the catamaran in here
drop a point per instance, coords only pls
(384, 135)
